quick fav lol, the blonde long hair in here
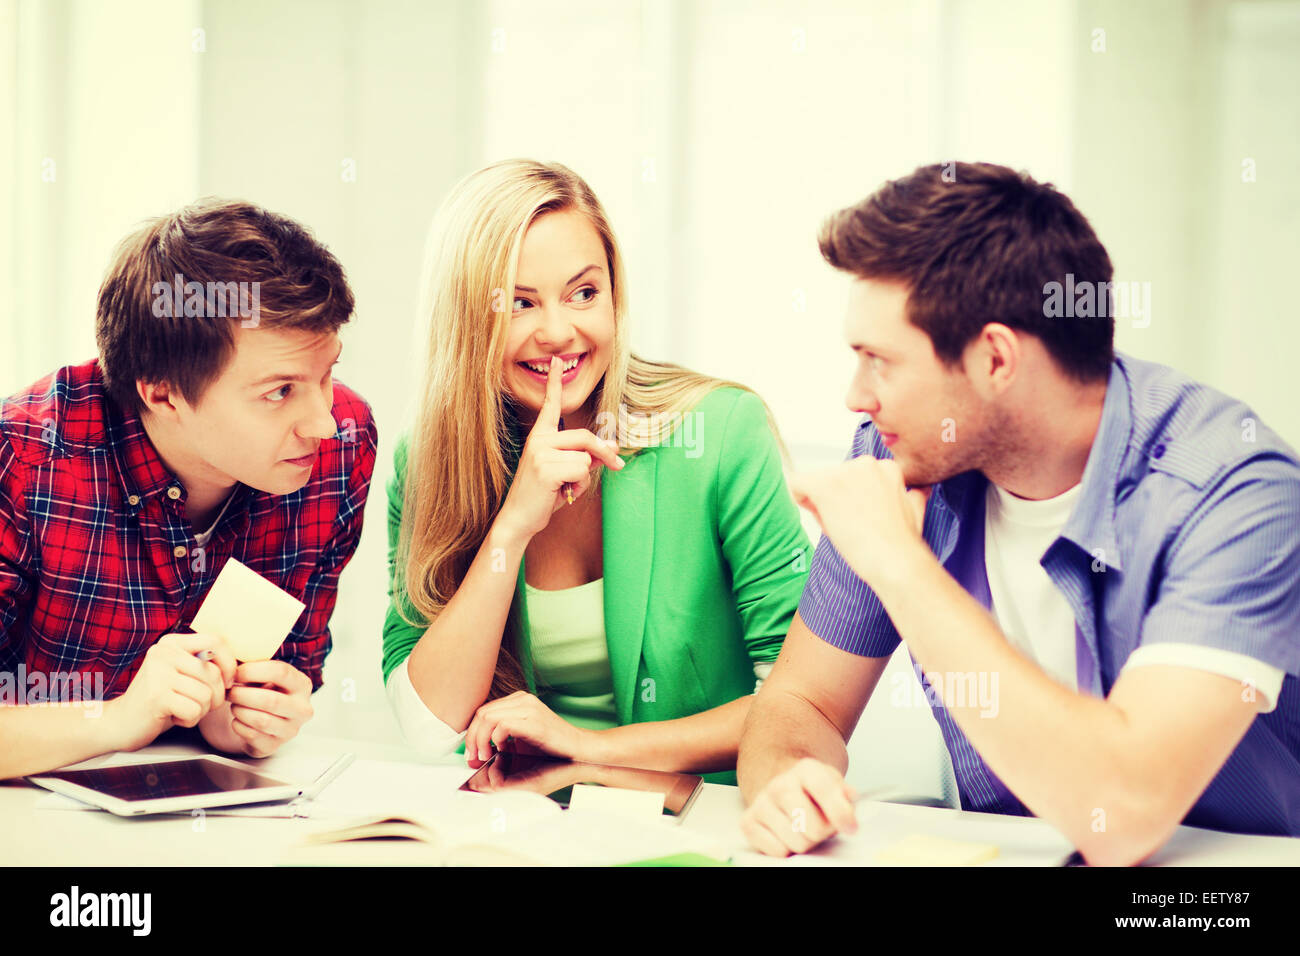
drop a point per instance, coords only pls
(463, 445)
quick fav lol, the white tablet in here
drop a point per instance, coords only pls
(165, 786)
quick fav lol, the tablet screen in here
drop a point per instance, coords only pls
(176, 778)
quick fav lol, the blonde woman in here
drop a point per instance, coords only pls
(590, 552)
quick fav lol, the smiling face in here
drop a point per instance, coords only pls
(563, 305)
(928, 415)
(261, 421)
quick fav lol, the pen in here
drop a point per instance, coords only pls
(328, 776)
(320, 783)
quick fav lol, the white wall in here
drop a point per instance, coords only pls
(718, 133)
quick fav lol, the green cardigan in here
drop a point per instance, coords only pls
(704, 562)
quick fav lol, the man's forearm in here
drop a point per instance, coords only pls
(1061, 752)
(38, 738)
(783, 728)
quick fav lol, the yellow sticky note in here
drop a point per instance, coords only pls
(248, 612)
(920, 849)
(640, 804)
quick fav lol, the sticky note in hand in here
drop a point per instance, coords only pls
(248, 612)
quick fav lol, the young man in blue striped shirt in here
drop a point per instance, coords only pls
(1092, 559)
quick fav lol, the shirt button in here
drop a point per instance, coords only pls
(1158, 450)
(179, 551)
(133, 500)
(173, 492)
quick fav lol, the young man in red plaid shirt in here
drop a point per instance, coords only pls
(209, 427)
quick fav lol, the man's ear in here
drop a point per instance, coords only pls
(999, 350)
(159, 399)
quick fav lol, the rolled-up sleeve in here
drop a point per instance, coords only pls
(424, 731)
(1232, 575)
(400, 634)
(1265, 679)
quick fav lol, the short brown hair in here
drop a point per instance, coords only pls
(978, 243)
(215, 243)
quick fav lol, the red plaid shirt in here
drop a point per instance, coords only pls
(98, 560)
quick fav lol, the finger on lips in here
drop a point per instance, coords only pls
(548, 419)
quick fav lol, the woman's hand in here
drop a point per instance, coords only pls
(524, 717)
(551, 459)
(544, 778)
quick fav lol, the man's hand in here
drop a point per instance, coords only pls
(172, 688)
(864, 508)
(259, 719)
(800, 808)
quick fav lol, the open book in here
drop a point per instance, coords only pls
(507, 828)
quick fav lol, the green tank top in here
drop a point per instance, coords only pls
(569, 654)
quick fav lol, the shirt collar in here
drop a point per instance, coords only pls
(139, 468)
(1091, 524)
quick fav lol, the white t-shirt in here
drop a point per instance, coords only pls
(1032, 613)
(1037, 620)
(202, 538)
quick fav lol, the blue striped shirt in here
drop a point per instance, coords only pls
(1186, 530)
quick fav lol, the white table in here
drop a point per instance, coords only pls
(32, 832)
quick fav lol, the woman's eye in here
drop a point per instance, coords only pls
(280, 394)
(591, 293)
(520, 304)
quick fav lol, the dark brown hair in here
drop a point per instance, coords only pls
(144, 330)
(978, 243)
